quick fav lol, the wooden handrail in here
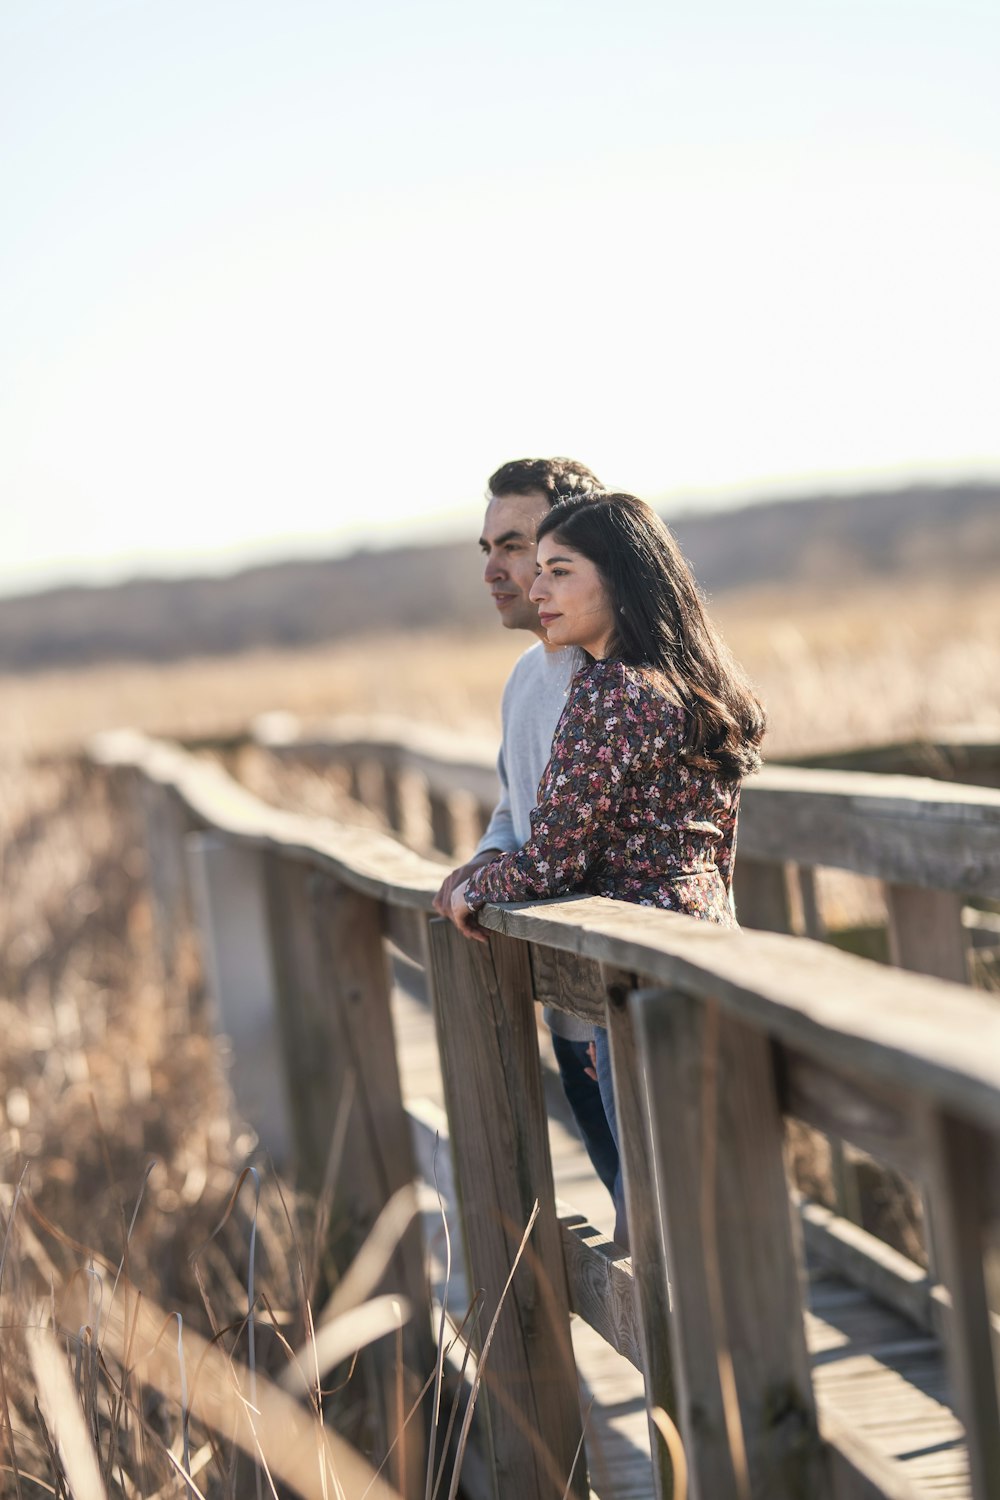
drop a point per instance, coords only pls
(907, 829)
(942, 1039)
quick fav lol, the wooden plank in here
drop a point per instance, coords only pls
(744, 1387)
(869, 1263)
(406, 929)
(485, 1021)
(166, 824)
(649, 1260)
(926, 933)
(601, 1284)
(442, 821)
(926, 936)
(849, 1013)
(231, 907)
(393, 795)
(963, 1167)
(568, 982)
(338, 1044)
(905, 829)
(812, 914)
(883, 1119)
(761, 893)
(858, 1471)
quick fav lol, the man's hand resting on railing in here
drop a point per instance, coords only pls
(442, 901)
(464, 918)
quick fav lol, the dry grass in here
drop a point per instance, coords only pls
(111, 1096)
(870, 663)
(120, 1155)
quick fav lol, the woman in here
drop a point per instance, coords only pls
(640, 797)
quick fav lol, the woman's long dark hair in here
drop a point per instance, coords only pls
(661, 624)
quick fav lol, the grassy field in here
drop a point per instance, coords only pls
(114, 1106)
(834, 669)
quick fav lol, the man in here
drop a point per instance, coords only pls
(520, 494)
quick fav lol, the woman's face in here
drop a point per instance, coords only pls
(574, 606)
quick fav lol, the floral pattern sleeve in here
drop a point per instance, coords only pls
(598, 738)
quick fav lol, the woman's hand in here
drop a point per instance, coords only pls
(463, 917)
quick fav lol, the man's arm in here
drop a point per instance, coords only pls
(499, 836)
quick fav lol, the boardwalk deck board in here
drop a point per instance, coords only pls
(874, 1372)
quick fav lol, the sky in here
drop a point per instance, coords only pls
(280, 277)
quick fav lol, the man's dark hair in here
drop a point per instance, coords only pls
(661, 624)
(556, 478)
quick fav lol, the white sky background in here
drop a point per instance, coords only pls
(281, 276)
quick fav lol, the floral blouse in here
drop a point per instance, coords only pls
(619, 813)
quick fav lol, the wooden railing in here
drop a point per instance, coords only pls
(715, 1035)
(934, 845)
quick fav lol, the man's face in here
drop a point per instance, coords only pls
(508, 546)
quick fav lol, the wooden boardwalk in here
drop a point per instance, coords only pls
(875, 1373)
(717, 1040)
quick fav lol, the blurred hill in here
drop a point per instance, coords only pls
(829, 541)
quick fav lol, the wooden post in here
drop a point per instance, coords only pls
(649, 1264)
(963, 1164)
(926, 936)
(925, 932)
(442, 822)
(166, 825)
(394, 810)
(337, 1029)
(231, 906)
(763, 899)
(745, 1394)
(500, 1152)
(812, 913)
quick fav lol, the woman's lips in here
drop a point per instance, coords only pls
(545, 618)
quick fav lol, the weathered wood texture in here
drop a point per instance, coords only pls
(344, 1091)
(963, 1164)
(598, 1274)
(761, 892)
(228, 882)
(167, 821)
(909, 830)
(744, 1387)
(939, 1040)
(489, 1057)
(568, 983)
(885, 1120)
(926, 933)
(632, 1085)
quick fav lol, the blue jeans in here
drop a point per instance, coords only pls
(606, 1085)
(586, 1100)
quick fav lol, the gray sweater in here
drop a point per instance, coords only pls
(532, 705)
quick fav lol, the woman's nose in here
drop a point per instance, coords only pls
(538, 590)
